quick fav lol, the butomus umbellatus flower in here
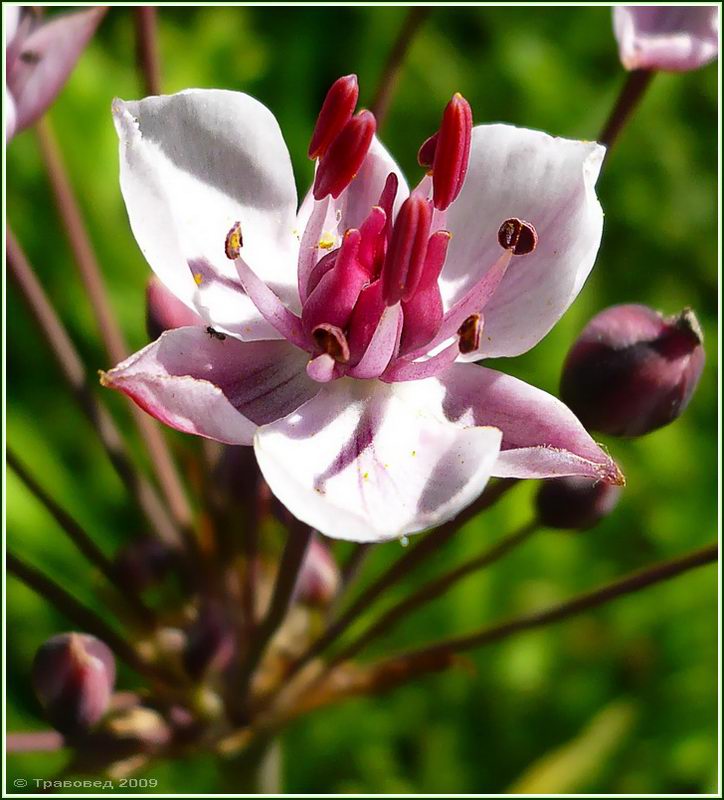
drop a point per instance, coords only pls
(669, 38)
(39, 57)
(339, 337)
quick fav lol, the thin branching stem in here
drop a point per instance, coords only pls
(82, 616)
(289, 566)
(149, 65)
(430, 591)
(391, 71)
(74, 374)
(419, 552)
(83, 542)
(110, 331)
(390, 673)
(631, 93)
(426, 659)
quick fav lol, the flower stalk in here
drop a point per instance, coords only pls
(633, 90)
(110, 331)
(149, 65)
(416, 16)
(74, 374)
(83, 542)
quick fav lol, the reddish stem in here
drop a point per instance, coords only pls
(109, 329)
(147, 50)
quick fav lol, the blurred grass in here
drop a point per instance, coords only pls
(523, 700)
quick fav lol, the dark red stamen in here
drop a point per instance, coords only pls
(426, 153)
(339, 165)
(452, 152)
(336, 112)
(406, 252)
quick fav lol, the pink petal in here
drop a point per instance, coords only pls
(194, 164)
(46, 60)
(675, 38)
(368, 461)
(541, 437)
(217, 388)
(548, 182)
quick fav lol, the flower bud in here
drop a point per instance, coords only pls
(575, 503)
(319, 577)
(633, 370)
(73, 676)
(210, 643)
(165, 311)
(142, 563)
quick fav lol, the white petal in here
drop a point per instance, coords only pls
(368, 461)
(218, 388)
(192, 165)
(549, 182)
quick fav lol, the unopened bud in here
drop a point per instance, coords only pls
(633, 370)
(164, 311)
(575, 503)
(342, 161)
(319, 576)
(210, 644)
(142, 563)
(336, 112)
(73, 676)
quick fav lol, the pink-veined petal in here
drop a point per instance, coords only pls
(541, 436)
(369, 461)
(675, 38)
(46, 59)
(220, 388)
(194, 164)
(548, 182)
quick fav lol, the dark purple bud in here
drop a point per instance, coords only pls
(142, 563)
(633, 370)
(575, 503)
(319, 577)
(211, 643)
(164, 311)
(73, 677)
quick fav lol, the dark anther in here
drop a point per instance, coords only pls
(332, 341)
(469, 333)
(517, 235)
(234, 242)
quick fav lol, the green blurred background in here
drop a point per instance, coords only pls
(622, 700)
